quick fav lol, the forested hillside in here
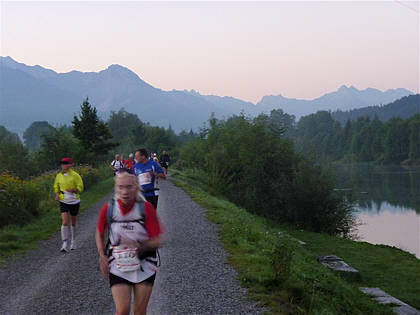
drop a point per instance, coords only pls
(362, 140)
(404, 108)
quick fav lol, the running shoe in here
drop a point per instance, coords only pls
(64, 247)
(73, 245)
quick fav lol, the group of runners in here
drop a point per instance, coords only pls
(128, 233)
(119, 161)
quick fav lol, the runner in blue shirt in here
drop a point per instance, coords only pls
(147, 171)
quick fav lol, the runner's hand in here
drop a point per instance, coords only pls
(104, 265)
(128, 242)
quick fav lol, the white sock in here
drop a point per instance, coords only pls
(73, 232)
(64, 232)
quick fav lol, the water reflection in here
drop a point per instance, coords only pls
(373, 185)
(387, 202)
(394, 226)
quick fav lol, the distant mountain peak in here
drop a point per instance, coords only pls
(117, 67)
(345, 88)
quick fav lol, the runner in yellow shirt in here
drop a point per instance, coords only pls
(67, 187)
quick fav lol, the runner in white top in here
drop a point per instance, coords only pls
(116, 164)
(134, 235)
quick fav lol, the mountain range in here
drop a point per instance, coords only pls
(31, 93)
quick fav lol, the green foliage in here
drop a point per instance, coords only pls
(414, 130)
(57, 144)
(93, 134)
(33, 134)
(283, 276)
(404, 108)
(361, 140)
(132, 133)
(14, 157)
(14, 239)
(7, 136)
(19, 201)
(245, 161)
(281, 259)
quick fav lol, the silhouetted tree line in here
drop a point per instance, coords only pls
(89, 140)
(361, 140)
(404, 108)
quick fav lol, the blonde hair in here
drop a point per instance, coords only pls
(120, 175)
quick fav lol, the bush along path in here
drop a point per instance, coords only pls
(194, 277)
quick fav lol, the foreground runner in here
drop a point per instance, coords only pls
(67, 187)
(134, 234)
(146, 171)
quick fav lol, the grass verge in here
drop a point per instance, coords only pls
(286, 278)
(15, 239)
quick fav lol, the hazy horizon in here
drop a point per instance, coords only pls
(240, 49)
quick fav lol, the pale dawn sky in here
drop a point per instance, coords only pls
(241, 49)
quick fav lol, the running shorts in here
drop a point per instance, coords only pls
(73, 209)
(113, 279)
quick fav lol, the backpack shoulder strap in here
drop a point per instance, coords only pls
(111, 211)
(111, 206)
(140, 208)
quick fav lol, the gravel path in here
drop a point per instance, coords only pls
(194, 277)
(46, 281)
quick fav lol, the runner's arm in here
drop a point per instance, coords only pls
(99, 238)
(150, 244)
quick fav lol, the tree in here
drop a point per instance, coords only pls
(414, 125)
(55, 145)
(13, 155)
(122, 123)
(33, 133)
(93, 134)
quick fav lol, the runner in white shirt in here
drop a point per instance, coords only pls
(134, 232)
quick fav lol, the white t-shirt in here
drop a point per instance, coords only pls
(136, 232)
(117, 164)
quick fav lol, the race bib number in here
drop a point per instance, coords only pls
(69, 197)
(126, 258)
(145, 178)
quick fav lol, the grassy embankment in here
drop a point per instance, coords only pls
(285, 276)
(18, 238)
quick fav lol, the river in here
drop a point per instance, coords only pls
(387, 203)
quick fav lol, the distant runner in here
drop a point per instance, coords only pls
(67, 187)
(164, 161)
(134, 232)
(116, 164)
(147, 171)
(130, 162)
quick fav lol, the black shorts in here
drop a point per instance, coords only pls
(113, 279)
(73, 209)
(153, 200)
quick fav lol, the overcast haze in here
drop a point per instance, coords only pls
(241, 49)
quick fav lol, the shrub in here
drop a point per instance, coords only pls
(19, 201)
(281, 259)
(260, 171)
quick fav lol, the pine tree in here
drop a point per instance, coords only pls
(92, 132)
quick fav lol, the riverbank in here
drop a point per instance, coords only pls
(15, 239)
(285, 276)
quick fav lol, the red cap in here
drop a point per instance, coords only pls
(67, 160)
